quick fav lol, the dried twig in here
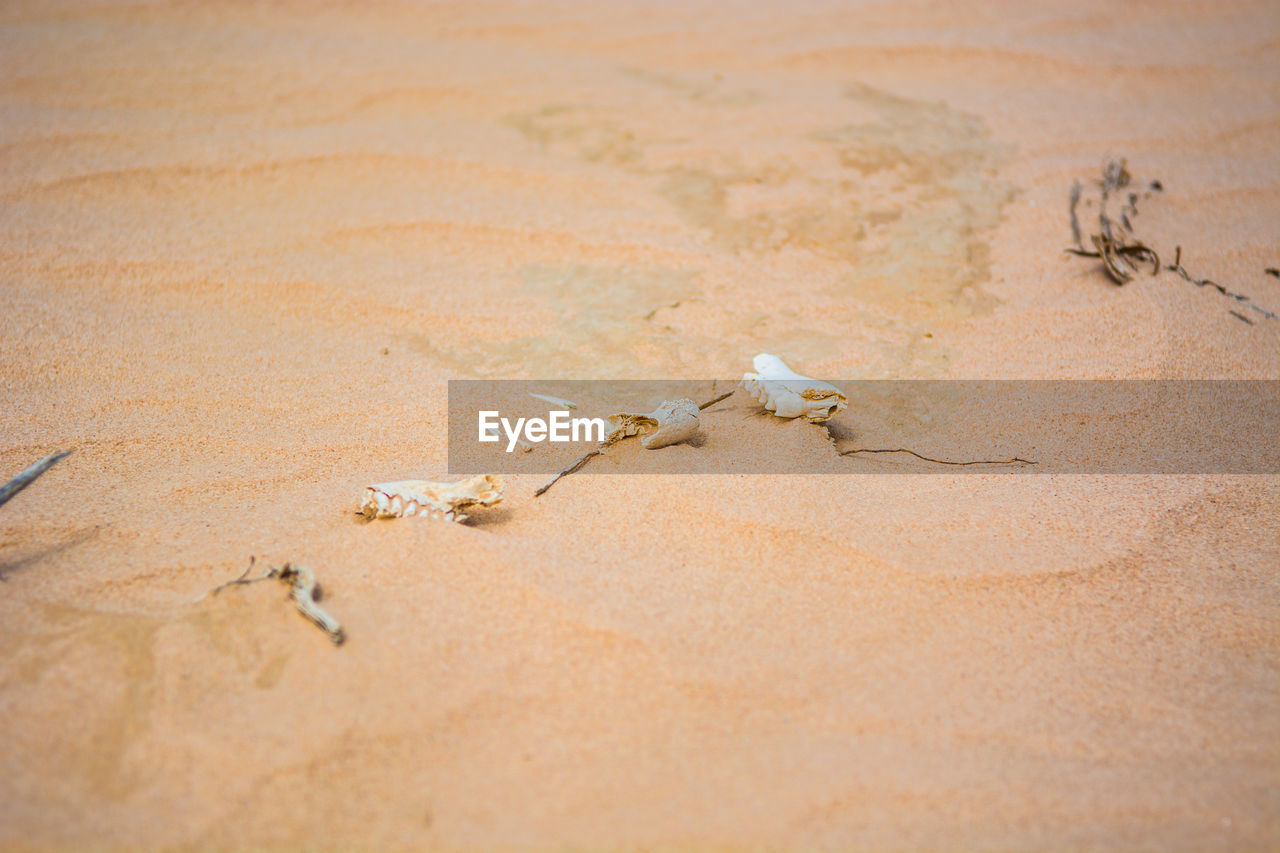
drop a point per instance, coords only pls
(567, 471)
(29, 476)
(243, 579)
(1116, 246)
(1075, 223)
(605, 445)
(704, 406)
(1204, 282)
(1013, 461)
(303, 589)
(1115, 175)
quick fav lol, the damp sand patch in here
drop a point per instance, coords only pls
(905, 192)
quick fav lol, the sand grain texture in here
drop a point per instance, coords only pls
(243, 247)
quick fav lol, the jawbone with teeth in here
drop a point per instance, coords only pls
(425, 499)
(788, 394)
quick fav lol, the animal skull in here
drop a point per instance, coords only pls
(788, 394)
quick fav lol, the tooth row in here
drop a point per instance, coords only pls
(399, 506)
(429, 512)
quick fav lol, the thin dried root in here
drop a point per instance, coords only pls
(1178, 268)
(702, 407)
(1014, 461)
(243, 579)
(567, 471)
(673, 422)
(30, 475)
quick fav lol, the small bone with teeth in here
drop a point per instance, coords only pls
(788, 394)
(425, 499)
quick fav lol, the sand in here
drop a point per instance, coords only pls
(243, 247)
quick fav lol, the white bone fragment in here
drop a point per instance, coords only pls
(556, 401)
(788, 394)
(425, 499)
(303, 589)
(671, 423)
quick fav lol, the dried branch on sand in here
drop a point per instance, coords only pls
(30, 475)
(304, 591)
(680, 417)
(1120, 251)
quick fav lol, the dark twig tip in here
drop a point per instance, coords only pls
(30, 475)
(720, 399)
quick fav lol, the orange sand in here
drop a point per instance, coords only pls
(243, 247)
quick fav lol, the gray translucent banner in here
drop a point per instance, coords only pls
(888, 426)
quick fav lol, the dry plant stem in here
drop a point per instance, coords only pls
(1204, 282)
(243, 579)
(1114, 176)
(704, 406)
(303, 589)
(1075, 222)
(30, 475)
(567, 471)
(1116, 246)
(1112, 259)
(1015, 460)
(577, 465)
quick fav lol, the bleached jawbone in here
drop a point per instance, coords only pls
(425, 499)
(671, 423)
(788, 394)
